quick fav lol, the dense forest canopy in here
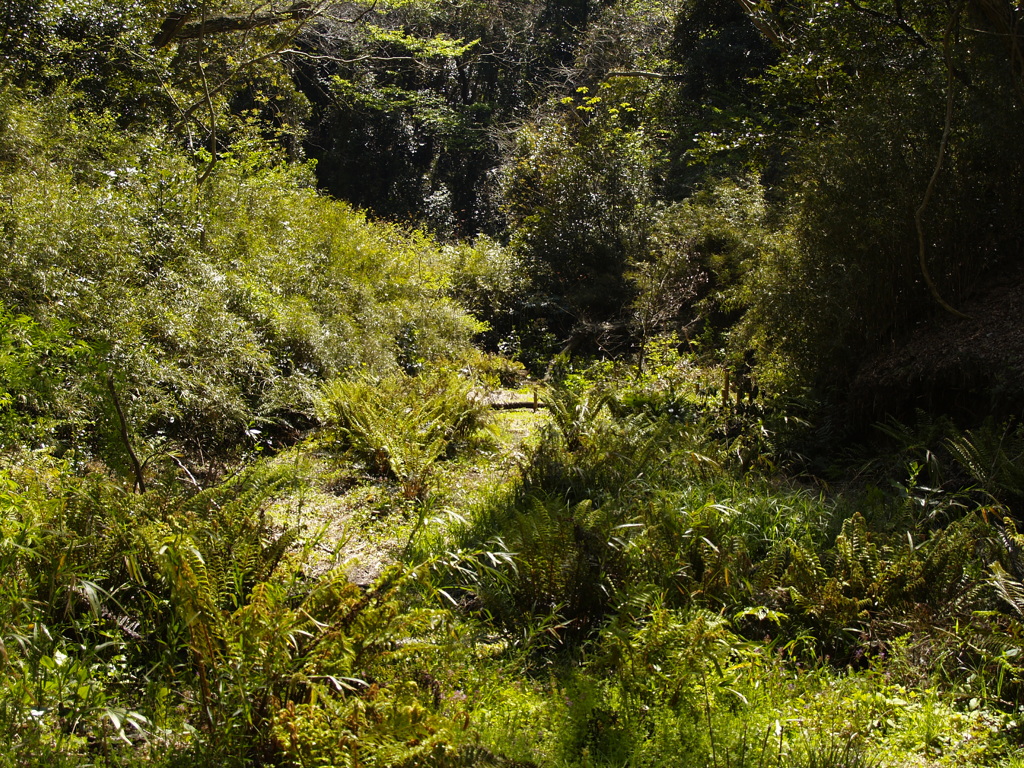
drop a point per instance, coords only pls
(510, 383)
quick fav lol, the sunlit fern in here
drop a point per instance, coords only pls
(230, 527)
(210, 550)
(994, 456)
(402, 425)
(575, 414)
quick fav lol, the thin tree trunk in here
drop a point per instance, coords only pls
(922, 248)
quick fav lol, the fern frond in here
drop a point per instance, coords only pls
(994, 456)
(1009, 589)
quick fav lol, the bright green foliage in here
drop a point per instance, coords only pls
(493, 283)
(36, 364)
(218, 307)
(723, 192)
(140, 619)
(401, 425)
(603, 500)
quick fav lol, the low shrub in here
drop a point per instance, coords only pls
(400, 424)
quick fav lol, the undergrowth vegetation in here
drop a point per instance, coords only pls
(217, 309)
(669, 598)
(283, 484)
(643, 586)
(401, 425)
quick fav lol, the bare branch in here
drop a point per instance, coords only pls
(178, 26)
(213, 115)
(140, 480)
(339, 60)
(187, 114)
(895, 20)
(643, 73)
(758, 19)
(213, 129)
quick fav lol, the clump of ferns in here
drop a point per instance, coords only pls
(361, 657)
(938, 455)
(576, 414)
(993, 456)
(871, 587)
(547, 564)
(401, 425)
(228, 528)
(623, 460)
(205, 556)
(285, 643)
(917, 442)
(998, 646)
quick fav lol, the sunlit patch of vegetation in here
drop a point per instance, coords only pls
(285, 484)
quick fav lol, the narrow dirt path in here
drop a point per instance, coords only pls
(360, 523)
